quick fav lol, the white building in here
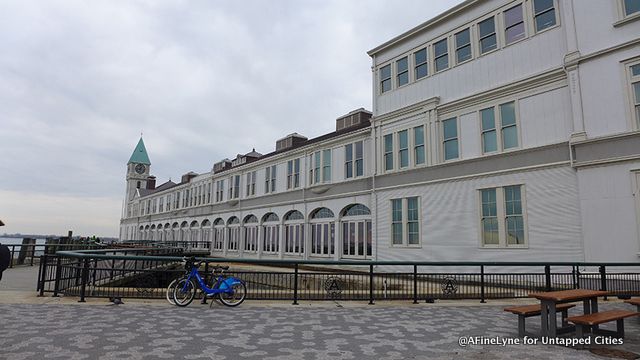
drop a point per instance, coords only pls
(501, 130)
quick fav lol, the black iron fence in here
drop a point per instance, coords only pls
(146, 272)
(30, 254)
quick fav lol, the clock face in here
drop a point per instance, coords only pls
(140, 169)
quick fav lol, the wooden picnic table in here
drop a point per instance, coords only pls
(549, 300)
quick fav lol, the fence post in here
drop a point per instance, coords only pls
(43, 274)
(547, 277)
(482, 300)
(370, 284)
(32, 251)
(573, 277)
(603, 279)
(295, 285)
(85, 278)
(415, 284)
(56, 286)
(13, 254)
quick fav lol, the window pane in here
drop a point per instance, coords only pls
(488, 43)
(396, 209)
(348, 169)
(509, 137)
(631, 6)
(488, 119)
(403, 78)
(442, 63)
(545, 20)
(636, 89)
(404, 158)
(451, 149)
(404, 139)
(413, 232)
(420, 56)
(487, 27)
(635, 69)
(412, 208)
(397, 233)
(388, 161)
(462, 38)
(385, 72)
(359, 167)
(512, 199)
(420, 157)
(388, 143)
(542, 5)
(490, 231)
(450, 127)
(359, 150)
(515, 33)
(508, 114)
(463, 53)
(488, 202)
(515, 230)
(421, 71)
(326, 158)
(402, 65)
(418, 135)
(513, 16)
(440, 48)
(348, 152)
(489, 141)
(386, 85)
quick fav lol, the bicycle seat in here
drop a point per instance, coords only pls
(216, 267)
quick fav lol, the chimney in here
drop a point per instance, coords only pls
(354, 118)
(151, 182)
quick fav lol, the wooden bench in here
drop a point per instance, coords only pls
(526, 311)
(584, 323)
(636, 302)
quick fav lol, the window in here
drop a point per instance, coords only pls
(293, 174)
(294, 233)
(507, 137)
(441, 55)
(314, 174)
(177, 205)
(502, 217)
(513, 24)
(251, 233)
(420, 61)
(322, 232)
(402, 71)
(544, 14)
(234, 187)
(270, 179)
(219, 190)
(635, 91)
(489, 134)
(508, 124)
(356, 231)
(403, 148)
(162, 204)
(208, 193)
(463, 46)
(631, 7)
(251, 184)
(353, 164)
(385, 78)
(450, 139)
(418, 145)
(326, 165)
(405, 222)
(233, 238)
(271, 231)
(388, 152)
(488, 40)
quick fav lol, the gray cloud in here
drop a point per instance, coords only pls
(204, 80)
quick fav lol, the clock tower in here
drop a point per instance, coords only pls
(137, 170)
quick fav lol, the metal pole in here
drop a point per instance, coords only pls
(41, 269)
(370, 284)
(295, 285)
(56, 286)
(547, 277)
(415, 284)
(85, 278)
(482, 300)
(13, 254)
(603, 279)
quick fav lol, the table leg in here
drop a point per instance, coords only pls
(586, 306)
(594, 309)
(552, 318)
(544, 316)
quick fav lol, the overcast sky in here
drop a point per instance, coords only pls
(203, 80)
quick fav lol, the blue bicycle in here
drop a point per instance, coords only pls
(230, 290)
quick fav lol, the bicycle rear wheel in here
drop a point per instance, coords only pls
(236, 296)
(184, 292)
(170, 289)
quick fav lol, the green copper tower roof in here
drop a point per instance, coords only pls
(139, 155)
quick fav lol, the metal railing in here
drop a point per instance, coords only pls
(145, 273)
(29, 254)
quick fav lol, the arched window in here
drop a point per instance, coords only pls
(323, 232)
(167, 231)
(294, 233)
(356, 231)
(152, 232)
(176, 231)
(194, 233)
(271, 231)
(218, 234)
(250, 233)
(206, 232)
(184, 229)
(233, 238)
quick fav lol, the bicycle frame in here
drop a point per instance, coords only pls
(222, 285)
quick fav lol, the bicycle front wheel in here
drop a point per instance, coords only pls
(184, 292)
(170, 290)
(236, 296)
